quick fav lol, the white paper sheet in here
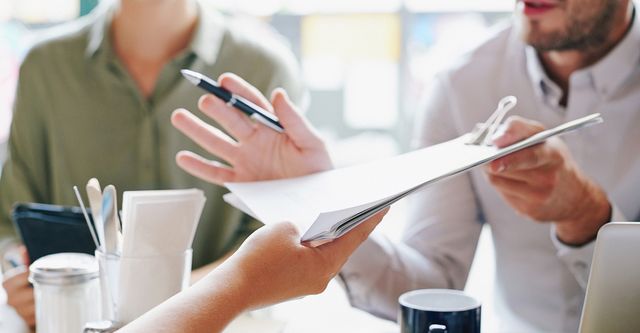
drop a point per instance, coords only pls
(318, 202)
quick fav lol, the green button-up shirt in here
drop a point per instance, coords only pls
(78, 114)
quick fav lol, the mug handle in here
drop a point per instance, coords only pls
(437, 328)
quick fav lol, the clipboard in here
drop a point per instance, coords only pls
(327, 205)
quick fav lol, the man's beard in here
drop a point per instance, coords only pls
(579, 33)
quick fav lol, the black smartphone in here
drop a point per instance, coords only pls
(48, 229)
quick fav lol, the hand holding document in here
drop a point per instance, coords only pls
(328, 204)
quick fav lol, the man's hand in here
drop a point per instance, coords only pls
(19, 290)
(544, 183)
(254, 152)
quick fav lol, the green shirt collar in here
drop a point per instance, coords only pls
(205, 43)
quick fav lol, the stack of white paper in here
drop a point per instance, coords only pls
(160, 222)
(328, 204)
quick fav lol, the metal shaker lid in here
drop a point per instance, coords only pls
(63, 269)
(102, 326)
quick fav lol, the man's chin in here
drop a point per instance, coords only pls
(531, 33)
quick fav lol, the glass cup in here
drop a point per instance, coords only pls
(148, 281)
(109, 265)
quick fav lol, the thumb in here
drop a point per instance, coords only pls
(295, 125)
(341, 248)
(515, 129)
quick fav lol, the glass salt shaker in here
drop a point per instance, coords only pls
(67, 292)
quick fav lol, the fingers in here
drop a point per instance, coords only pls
(526, 159)
(510, 187)
(240, 87)
(208, 137)
(295, 125)
(210, 171)
(341, 248)
(234, 121)
(516, 129)
(541, 157)
(521, 191)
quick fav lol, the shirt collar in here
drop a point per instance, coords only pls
(206, 41)
(544, 87)
(606, 75)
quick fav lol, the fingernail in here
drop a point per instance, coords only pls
(501, 167)
(284, 94)
(204, 101)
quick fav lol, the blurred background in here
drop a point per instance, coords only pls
(349, 50)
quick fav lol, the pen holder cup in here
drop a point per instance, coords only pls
(141, 283)
(148, 281)
(109, 265)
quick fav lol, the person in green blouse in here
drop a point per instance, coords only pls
(94, 99)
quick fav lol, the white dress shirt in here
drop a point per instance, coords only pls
(540, 280)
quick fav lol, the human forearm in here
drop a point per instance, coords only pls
(272, 266)
(199, 273)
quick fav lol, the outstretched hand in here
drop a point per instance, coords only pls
(253, 151)
(277, 267)
(271, 266)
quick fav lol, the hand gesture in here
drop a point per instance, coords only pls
(277, 267)
(253, 151)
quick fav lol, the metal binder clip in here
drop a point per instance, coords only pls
(482, 132)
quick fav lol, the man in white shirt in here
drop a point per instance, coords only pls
(563, 60)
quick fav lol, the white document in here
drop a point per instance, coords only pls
(328, 204)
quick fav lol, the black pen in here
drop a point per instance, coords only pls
(250, 109)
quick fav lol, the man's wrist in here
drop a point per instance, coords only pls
(590, 216)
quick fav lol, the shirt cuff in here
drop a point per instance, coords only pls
(365, 266)
(578, 258)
